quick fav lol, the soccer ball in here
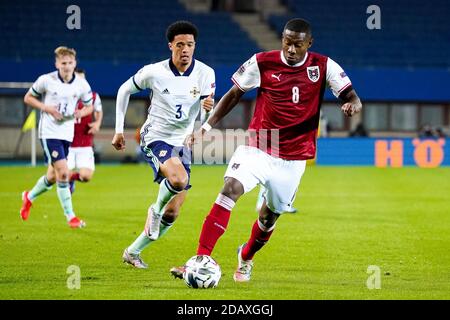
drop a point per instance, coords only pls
(202, 272)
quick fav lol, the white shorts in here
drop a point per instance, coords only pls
(81, 157)
(281, 178)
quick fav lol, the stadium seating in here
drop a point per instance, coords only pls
(116, 31)
(117, 38)
(413, 33)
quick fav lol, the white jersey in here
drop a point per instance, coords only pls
(64, 96)
(175, 99)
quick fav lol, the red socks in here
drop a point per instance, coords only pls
(260, 235)
(75, 177)
(215, 224)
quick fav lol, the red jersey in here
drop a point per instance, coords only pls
(81, 136)
(286, 117)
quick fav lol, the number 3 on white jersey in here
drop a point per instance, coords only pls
(178, 113)
(295, 94)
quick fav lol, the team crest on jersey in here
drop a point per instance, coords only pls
(313, 73)
(162, 153)
(195, 92)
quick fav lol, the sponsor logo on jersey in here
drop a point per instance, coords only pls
(195, 92)
(313, 73)
(343, 74)
(166, 91)
(55, 154)
(162, 153)
(235, 166)
(276, 76)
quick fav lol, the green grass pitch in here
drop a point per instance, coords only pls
(350, 218)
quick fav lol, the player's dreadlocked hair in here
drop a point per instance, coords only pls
(298, 25)
(181, 27)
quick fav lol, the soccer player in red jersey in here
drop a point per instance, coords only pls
(283, 131)
(81, 160)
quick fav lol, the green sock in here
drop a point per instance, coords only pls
(164, 227)
(40, 187)
(165, 194)
(142, 241)
(65, 198)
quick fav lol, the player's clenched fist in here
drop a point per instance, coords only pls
(118, 141)
(208, 102)
(350, 109)
(193, 138)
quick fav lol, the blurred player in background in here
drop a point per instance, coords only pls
(291, 84)
(81, 161)
(180, 87)
(60, 91)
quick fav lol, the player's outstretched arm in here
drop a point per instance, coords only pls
(352, 103)
(225, 105)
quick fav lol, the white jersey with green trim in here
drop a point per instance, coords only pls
(63, 96)
(175, 99)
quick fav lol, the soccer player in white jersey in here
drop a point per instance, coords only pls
(179, 88)
(60, 91)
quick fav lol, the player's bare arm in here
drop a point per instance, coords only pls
(32, 101)
(224, 106)
(95, 126)
(87, 110)
(352, 103)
